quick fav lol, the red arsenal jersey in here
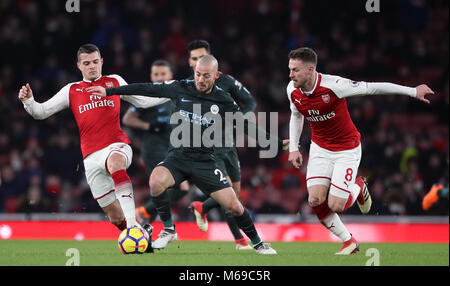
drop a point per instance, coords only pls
(326, 110)
(98, 118)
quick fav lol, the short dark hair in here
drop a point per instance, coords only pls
(87, 49)
(304, 54)
(162, 63)
(198, 44)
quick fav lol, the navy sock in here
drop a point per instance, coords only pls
(245, 223)
(232, 225)
(162, 205)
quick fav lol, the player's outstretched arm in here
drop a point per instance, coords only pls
(346, 88)
(137, 94)
(386, 88)
(144, 89)
(43, 110)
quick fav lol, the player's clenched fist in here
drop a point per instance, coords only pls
(423, 90)
(97, 90)
(25, 92)
(296, 159)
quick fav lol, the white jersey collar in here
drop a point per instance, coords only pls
(89, 81)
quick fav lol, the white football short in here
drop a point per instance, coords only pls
(336, 170)
(98, 178)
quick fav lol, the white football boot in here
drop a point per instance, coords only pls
(165, 237)
(264, 248)
(364, 200)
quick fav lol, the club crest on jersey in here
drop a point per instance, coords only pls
(109, 84)
(326, 98)
(214, 109)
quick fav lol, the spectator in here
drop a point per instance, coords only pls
(33, 202)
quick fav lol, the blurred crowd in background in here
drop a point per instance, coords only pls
(404, 142)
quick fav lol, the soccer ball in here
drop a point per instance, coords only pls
(132, 240)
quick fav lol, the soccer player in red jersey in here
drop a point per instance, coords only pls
(335, 152)
(105, 147)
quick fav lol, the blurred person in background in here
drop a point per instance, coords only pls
(34, 202)
(11, 189)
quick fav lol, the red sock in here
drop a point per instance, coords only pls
(125, 196)
(120, 177)
(241, 241)
(331, 221)
(322, 210)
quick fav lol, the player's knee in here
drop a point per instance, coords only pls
(157, 185)
(236, 208)
(317, 194)
(314, 201)
(115, 163)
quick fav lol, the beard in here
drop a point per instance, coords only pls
(203, 88)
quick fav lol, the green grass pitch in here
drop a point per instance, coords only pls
(202, 253)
